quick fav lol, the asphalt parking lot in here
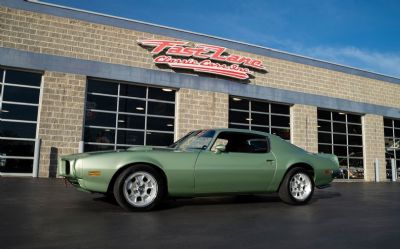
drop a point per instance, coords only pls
(44, 213)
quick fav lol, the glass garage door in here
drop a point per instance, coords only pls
(120, 115)
(259, 116)
(392, 140)
(19, 103)
(340, 133)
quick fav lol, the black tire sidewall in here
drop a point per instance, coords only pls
(119, 183)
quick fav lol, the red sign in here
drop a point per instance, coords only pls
(202, 58)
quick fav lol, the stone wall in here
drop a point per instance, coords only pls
(374, 146)
(200, 110)
(61, 118)
(304, 127)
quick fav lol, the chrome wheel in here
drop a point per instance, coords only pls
(300, 186)
(140, 189)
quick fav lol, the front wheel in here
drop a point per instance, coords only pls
(297, 187)
(139, 188)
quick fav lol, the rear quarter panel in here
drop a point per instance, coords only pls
(288, 155)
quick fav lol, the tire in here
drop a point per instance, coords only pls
(139, 188)
(297, 188)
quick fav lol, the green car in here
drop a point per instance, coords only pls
(202, 163)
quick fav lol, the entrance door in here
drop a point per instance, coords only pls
(19, 103)
(245, 166)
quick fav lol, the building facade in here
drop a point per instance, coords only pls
(79, 81)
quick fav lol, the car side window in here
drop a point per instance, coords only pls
(242, 142)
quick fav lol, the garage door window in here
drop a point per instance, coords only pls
(392, 143)
(260, 116)
(340, 133)
(19, 103)
(120, 115)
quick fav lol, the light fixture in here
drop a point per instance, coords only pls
(121, 121)
(5, 110)
(107, 129)
(318, 126)
(139, 108)
(342, 113)
(148, 133)
(249, 119)
(167, 90)
(236, 99)
(169, 125)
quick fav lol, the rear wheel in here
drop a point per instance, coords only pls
(139, 188)
(297, 187)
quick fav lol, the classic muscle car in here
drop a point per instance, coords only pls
(202, 163)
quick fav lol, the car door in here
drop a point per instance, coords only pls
(238, 169)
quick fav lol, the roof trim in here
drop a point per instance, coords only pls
(94, 17)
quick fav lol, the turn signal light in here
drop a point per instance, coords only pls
(94, 173)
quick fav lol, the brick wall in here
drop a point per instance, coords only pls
(374, 146)
(304, 127)
(61, 118)
(200, 110)
(48, 34)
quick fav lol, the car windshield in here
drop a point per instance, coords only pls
(194, 140)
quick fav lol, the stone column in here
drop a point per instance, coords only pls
(304, 127)
(374, 146)
(196, 109)
(61, 118)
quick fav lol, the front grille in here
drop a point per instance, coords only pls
(67, 167)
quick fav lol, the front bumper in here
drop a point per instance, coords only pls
(324, 186)
(77, 183)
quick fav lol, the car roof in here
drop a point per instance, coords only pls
(240, 130)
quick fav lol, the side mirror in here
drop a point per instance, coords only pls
(220, 148)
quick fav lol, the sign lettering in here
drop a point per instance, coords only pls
(202, 58)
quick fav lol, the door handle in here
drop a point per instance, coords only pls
(270, 160)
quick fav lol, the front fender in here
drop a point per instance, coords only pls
(107, 165)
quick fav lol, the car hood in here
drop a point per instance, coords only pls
(148, 148)
(131, 149)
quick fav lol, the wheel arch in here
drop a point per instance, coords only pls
(121, 169)
(303, 165)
